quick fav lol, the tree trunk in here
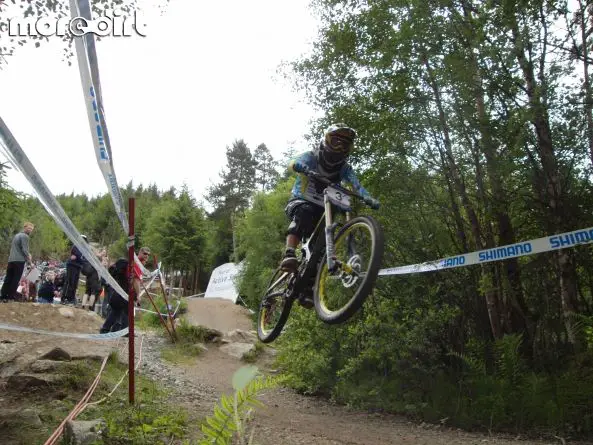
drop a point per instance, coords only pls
(551, 176)
(515, 313)
(196, 279)
(587, 82)
(491, 296)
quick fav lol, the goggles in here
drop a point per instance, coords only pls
(339, 144)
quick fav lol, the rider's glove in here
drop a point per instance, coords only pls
(299, 167)
(373, 203)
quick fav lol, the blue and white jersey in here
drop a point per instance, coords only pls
(304, 188)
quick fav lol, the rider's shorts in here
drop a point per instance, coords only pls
(304, 216)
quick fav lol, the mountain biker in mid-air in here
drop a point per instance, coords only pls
(328, 161)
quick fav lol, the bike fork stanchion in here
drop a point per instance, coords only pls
(330, 227)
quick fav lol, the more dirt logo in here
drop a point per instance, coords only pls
(113, 23)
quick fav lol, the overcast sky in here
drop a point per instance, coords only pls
(174, 100)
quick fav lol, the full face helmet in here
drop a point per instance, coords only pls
(335, 147)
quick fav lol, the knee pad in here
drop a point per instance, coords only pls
(293, 229)
(304, 218)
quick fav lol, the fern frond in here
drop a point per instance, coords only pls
(509, 365)
(475, 365)
(233, 411)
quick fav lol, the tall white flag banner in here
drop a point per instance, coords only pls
(88, 66)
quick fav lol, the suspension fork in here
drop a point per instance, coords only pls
(330, 227)
(350, 242)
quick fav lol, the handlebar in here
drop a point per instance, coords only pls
(316, 176)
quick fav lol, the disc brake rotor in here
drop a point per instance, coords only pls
(350, 279)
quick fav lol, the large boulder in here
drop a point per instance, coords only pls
(57, 354)
(81, 432)
(20, 417)
(238, 350)
(240, 336)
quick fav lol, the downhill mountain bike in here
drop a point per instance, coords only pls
(339, 265)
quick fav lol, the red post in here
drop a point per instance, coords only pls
(131, 338)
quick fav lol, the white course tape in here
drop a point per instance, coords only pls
(153, 312)
(89, 76)
(21, 162)
(147, 286)
(523, 248)
(176, 309)
(107, 336)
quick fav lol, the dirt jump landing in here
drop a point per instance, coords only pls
(218, 313)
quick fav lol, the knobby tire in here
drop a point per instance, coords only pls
(277, 329)
(355, 303)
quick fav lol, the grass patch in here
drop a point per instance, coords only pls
(190, 343)
(189, 333)
(151, 420)
(181, 353)
(148, 321)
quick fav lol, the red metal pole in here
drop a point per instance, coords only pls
(131, 337)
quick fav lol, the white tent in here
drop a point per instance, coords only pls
(222, 282)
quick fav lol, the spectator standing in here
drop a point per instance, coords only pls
(93, 284)
(73, 268)
(117, 318)
(143, 255)
(19, 255)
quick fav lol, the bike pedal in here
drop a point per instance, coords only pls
(306, 303)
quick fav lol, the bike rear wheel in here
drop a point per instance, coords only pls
(274, 308)
(338, 296)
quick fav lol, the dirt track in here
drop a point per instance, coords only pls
(292, 419)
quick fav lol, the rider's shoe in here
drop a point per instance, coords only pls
(290, 262)
(306, 299)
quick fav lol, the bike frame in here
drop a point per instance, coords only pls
(312, 253)
(312, 247)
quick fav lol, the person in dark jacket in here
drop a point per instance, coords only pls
(47, 290)
(73, 268)
(19, 255)
(117, 318)
(93, 284)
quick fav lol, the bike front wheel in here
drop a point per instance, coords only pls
(274, 308)
(359, 249)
